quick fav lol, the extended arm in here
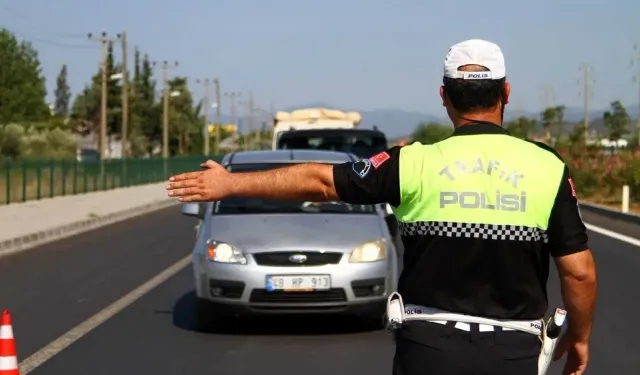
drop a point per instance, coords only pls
(307, 182)
(367, 181)
(576, 267)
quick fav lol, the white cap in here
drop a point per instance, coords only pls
(475, 52)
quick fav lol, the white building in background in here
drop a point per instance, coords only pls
(609, 143)
(88, 148)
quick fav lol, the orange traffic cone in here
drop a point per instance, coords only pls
(8, 354)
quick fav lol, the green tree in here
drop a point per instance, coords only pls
(62, 93)
(146, 115)
(86, 108)
(429, 133)
(616, 121)
(85, 113)
(522, 127)
(22, 86)
(183, 117)
(548, 118)
(558, 120)
(114, 94)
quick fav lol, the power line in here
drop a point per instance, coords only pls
(31, 38)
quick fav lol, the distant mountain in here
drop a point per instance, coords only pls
(574, 114)
(399, 123)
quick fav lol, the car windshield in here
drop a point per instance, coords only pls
(233, 206)
(364, 146)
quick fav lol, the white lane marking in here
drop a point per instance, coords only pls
(612, 234)
(62, 342)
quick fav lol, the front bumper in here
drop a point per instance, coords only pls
(356, 288)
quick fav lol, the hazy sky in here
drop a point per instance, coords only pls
(356, 54)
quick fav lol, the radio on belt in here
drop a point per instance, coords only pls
(550, 334)
(395, 312)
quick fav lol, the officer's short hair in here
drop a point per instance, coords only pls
(469, 95)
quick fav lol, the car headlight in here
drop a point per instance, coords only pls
(369, 252)
(221, 252)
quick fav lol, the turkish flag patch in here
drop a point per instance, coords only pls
(573, 188)
(378, 159)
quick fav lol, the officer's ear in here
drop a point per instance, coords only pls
(443, 96)
(506, 92)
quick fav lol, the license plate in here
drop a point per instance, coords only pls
(298, 283)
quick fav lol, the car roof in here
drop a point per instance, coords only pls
(288, 156)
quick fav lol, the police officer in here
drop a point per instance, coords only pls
(480, 214)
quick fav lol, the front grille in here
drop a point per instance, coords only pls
(331, 295)
(281, 259)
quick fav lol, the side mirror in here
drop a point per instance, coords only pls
(192, 209)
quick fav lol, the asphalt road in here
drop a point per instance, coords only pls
(53, 288)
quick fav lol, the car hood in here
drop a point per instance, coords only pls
(279, 232)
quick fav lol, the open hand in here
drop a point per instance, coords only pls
(577, 355)
(211, 184)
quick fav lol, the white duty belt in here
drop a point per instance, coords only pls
(548, 331)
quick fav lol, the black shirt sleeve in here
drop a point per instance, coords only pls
(370, 181)
(566, 232)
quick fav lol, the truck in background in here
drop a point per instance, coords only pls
(313, 118)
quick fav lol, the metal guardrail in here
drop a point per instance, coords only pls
(25, 180)
(610, 212)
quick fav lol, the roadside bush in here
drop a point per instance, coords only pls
(599, 174)
(36, 142)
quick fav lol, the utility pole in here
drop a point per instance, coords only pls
(586, 70)
(125, 95)
(104, 40)
(234, 117)
(548, 95)
(252, 119)
(636, 78)
(165, 111)
(216, 82)
(248, 120)
(206, 105)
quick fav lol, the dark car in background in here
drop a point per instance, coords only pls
(363, 143)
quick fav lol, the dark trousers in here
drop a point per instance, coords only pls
(426, 348)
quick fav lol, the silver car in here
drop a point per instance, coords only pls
(255, 256)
